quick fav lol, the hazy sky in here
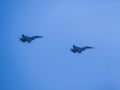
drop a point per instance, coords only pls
(47, 63)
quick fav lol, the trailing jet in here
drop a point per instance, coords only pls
(76, 49)
(29, 39)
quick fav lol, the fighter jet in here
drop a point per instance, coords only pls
(76, 49)
(29, 39)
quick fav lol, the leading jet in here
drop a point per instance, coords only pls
(76, 49)
(28, 39)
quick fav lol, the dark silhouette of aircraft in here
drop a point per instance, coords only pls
(29, 39)
(76, 49)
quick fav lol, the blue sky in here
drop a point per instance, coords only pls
(48, 64)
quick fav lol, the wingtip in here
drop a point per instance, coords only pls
(89, 47)
(40, 36)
